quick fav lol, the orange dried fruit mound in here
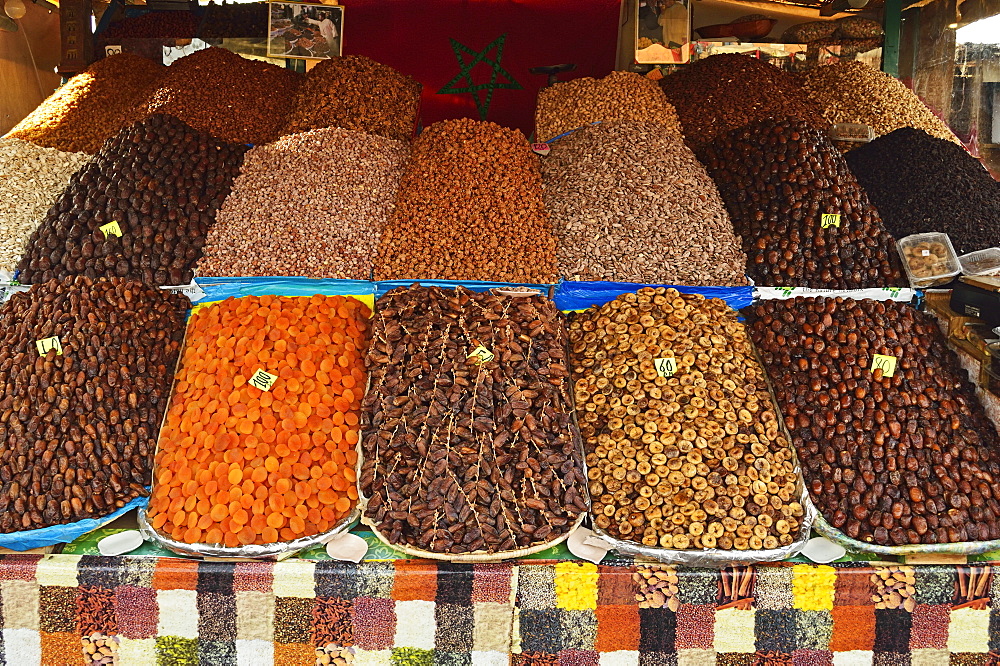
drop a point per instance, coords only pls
(239, 465)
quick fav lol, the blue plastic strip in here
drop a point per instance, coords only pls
(218, 289)
(572, 295)
(472, 285)
(49, 536)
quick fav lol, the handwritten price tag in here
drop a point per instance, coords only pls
(112, 50)
(665, 367)
(48, 344)
(887, 364)
(541, 148)
(481, 355)
(829, 220)
(111, 229)
(263, 380)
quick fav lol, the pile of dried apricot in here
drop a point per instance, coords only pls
(238, 464)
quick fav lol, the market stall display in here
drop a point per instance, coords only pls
(803, 218)
(684, 449)
(87, 365)
(895, 446)
(469, 207)
(567, 105)
(921, 183)
(140, 208)
(31, 178)
(225, 95)
(325, 223)
(729, 91)
(92, 106)
(630, 202)
(855, 92)
(468, 441)
(358, 93)
(259, 442)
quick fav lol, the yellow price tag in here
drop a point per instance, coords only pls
(665, 367)
(48, 344)
(887, 364)
(481, 355)
(111, 229)
(263, 380)
(830, 220)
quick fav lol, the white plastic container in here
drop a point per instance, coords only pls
(981, 262)
(929, 259)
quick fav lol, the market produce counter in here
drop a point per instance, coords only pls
(148, 610)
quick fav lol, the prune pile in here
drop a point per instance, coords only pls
(920, 183)
(901, 459)
(804, 220)
(79, 428)
(161, 182)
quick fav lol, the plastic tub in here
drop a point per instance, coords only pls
(981, 262)
(929, 259)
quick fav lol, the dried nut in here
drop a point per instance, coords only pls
(342, 195)
(357, 93)
(568, 105)
(668, 225)
(469, 207)
(467, 452)
(92, 106)
(706, 501)
(889, 460)
(79, 428)
(161, 182)
(778, 178)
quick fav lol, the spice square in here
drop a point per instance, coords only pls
(294, 653)
(415, 581)
(617, 628)
(616, 586)
(336, 579)
(255, 616)
(415, 624)
(735, 630)
(892, 630)
(804, 657)
(578, 658)
(620, 658)
(853, 628)
(934, 584)
(63, 648)
(454, 583)
(813, 630)
(540, 631)
(536, 586)
(657, 630)
(576, 585)
(695, 624)
(491, 582)
(445, 658)
(698, 586)
(775, 631)
(492, 627)
(490, 658)
(25, 643)
(254, 577)
(20, 604)
(372, 657)
(59, 571)
(175, 574)
(408, 656)
(579, 629)
(453, 629)
(332, 622)
(19, 567)
(178, 613)
(292, 620)
(695, 657)
(254, 653)
(294, 578)
(216, 617)
(969, 630)
(138, 651)
(929, 626)
(773, 588)
(220, 652)
(56, 608)
(813, 586)
(176, 650)
(373, 623)
(929, 657)
(136, 611)
(376, 579)
(853, 658)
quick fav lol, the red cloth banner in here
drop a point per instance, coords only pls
(461, 50)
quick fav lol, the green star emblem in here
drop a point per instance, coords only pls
(495, 82)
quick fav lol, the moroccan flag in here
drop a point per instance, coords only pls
(473, 56)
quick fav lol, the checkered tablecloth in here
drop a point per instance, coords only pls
(418, 613)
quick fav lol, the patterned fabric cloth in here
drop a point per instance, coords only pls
(66, 609)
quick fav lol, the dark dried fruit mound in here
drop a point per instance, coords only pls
(466, 452)
(921, 183)
(906, 459)
(161, 182)
(79, 429)
(778, 180)
(727, 91)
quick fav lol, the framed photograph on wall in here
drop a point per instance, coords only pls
(300, 30)
(663, 32)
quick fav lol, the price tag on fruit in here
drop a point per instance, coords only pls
(830, 220)
(263, 380)
(887, 364)
(481, 355)
(48, 344)
(541, 148)
(665, 367)
(111, 229)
